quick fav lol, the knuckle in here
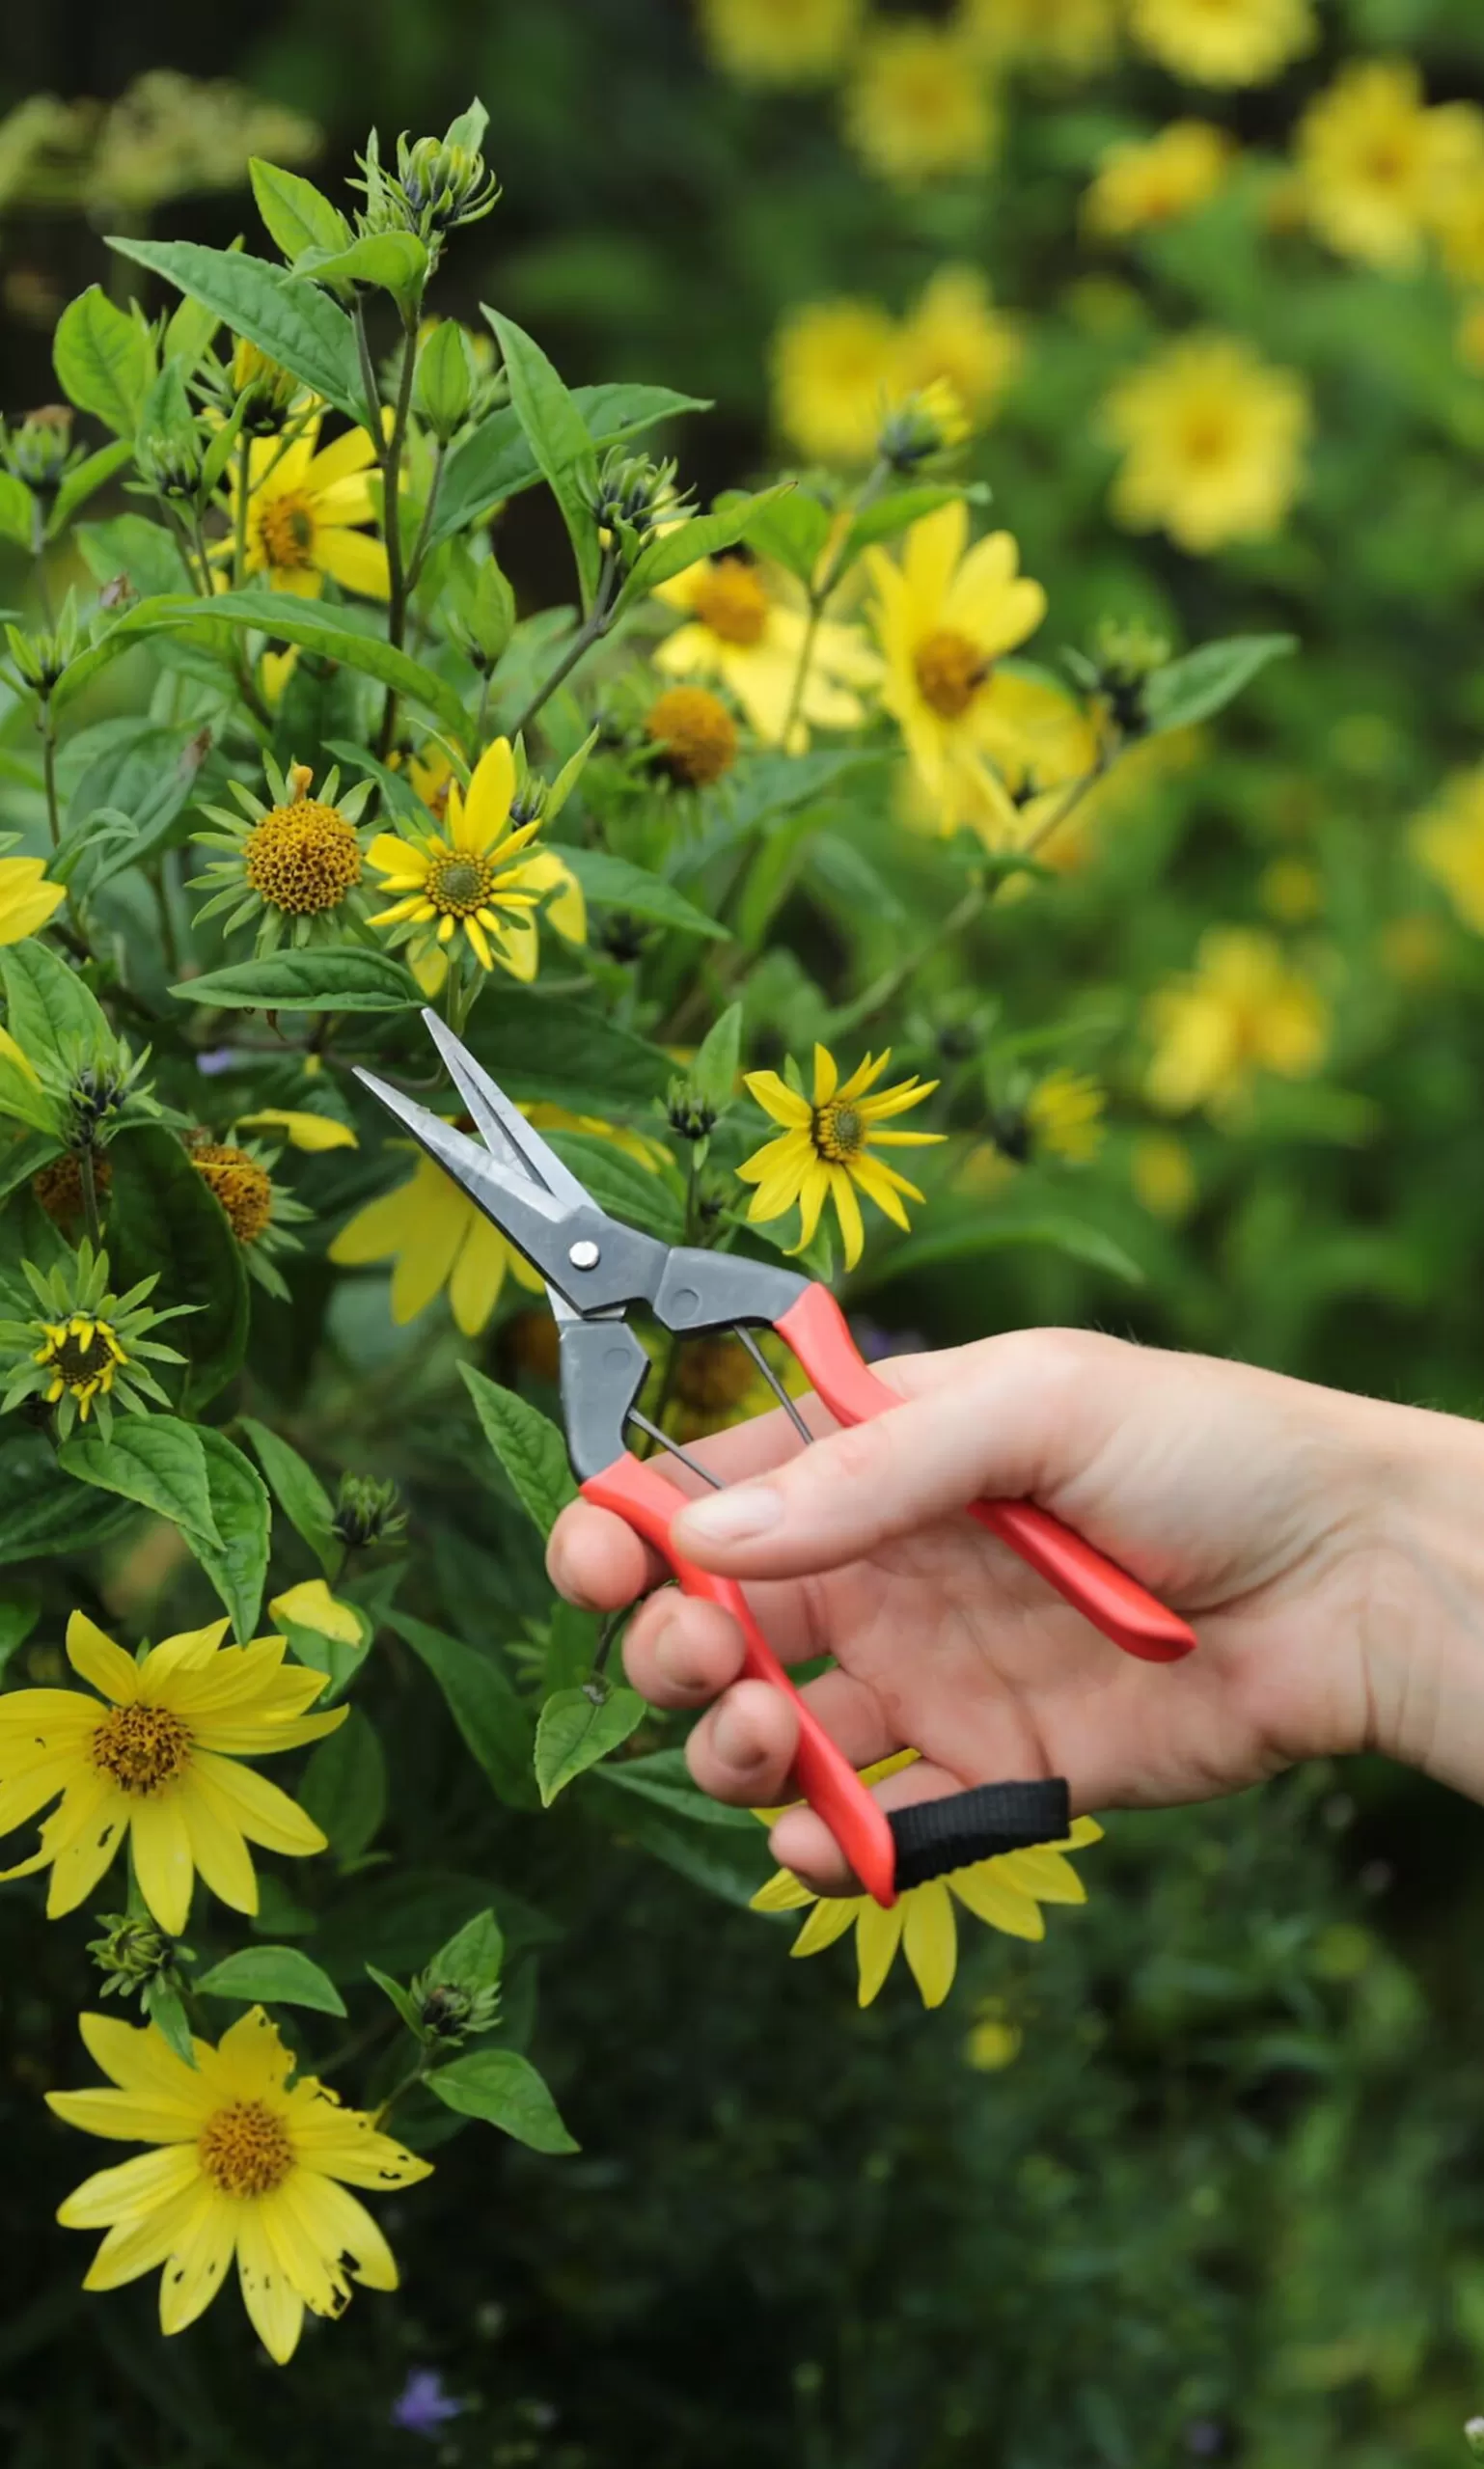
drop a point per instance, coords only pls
(859, 1455)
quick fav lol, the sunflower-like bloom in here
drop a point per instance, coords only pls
(942, 617)
(1448, 842)
(260, 1211)
(1073, 36)
(157, 1761)
(780, 43)
(825, 1149)
(27, 895)
(470, 877)
(747, 626)
(245, 2165)
(918, 107)
(1224, 42)
(1243, 1010)
(1378, 168)
(1157, 180)
(1007, 1893)
(90, 1350)
(296, 865)
(1212, 440)
(304, 514)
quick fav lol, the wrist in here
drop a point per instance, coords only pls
(1422, 1632)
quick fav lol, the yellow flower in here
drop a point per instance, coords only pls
(825, 1151)
(1243, 1010)
(918, 107)
(1157, 181)
(994, 2042)
(1448, 842)
(835, 370)
(780, 43)
(1074, 36)
(472, 876)
(1064, 1116)
(1212, 440)
(159, 1763)
(1162, 1174)
(245, 2165)
(694, 734)
(309, 1132)
(942, 617)
(955, 333)
(1007, 1893)
(304, 511)
(27, 899)
(1378, 167)
(746, 627)
(1224, 42)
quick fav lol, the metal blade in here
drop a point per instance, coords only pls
(504, 1126)
(530, 1216)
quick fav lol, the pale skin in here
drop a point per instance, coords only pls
(1328, 1550)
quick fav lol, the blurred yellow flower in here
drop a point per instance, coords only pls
(1063, 1116)
(747, 626)
(251, 2160)
(942, 616)
(1157, 180)
(27, 898)
(1212, 440)
(954, 332)
(994, 2042)
(1379, 168)
(918, 107)
(1071, 35)
(780, 43)
(1292, 891)
(1224, 42)
(309, 1132)
(1163, 1177)
(694, 734)
(825, 1150)
(1243, 1010)
(834, 372)
(1007, 1893)
(1448, 842)
(304, 511)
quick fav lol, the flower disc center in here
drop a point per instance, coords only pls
(84, 1353)
(950, 670)
(731, 602)
(245, 2149)
(286, 532)
(141, 1747)
(458, 883)
(243, 1187)
(302, 857)
(839, 1133)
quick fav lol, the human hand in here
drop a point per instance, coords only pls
(1301, 1530)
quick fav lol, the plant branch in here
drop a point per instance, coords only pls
(392, 525)
(594, 627)
(819, 593)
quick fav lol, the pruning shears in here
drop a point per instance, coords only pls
(595, 1269)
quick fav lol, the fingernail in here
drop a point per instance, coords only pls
(731, 1517)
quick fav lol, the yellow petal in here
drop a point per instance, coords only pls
(343, 2226)
(309, 1132)
(275, 2310)
(829, 1920)
(96, 1659)
(487, 805)
(776, 1098)
(311, 1605)
(878, 1934)
(264, 1814)
(198, 2265)
(133, 2188)
(992, 1897)
(783, 1892)
(161, 1846)
(353, 559)
(930, 1939)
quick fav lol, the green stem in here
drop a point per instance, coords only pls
(670, 1368)
(876, 998)
(391, 524)
(38, 554)
(239, 529)
(819, 594)
(399, 2090)
(592, 630)
(49, 728)
(158, 872)
(88, 1183)
(419, 545)
(1108, 756)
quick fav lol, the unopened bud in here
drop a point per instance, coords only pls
(928, 425)
(687, 1113)
(131, 1953)
(39, 449)
(443, 184)
(632, 496)
(366, 1512)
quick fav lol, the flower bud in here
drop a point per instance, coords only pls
(687, 1113)
(480, 610)
(169, 464)
(367, 1513)
(454, 2011)
(268, 388)
(1125, 654)
(928, 425)
(131, 1952)
(39, 449)
(443, 388)
(632, 496)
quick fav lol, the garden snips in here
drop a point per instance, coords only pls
(595, 1269)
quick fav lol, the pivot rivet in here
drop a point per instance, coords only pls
(584, 1255)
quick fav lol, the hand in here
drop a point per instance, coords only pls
(1303, 1533)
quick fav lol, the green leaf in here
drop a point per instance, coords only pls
(566, 1051)
(335, 634)
(20, 1609)
(298, 1491)
(156, 1460)
(889, 515)
(237, 1566)
(612, 883)
(104, 360)
(327, 978)
(274, 1976)
(473, 1956)
(340, 1664)
(620, 1185)
(296, 213)
(793, 531)
(49, 1009)
(343, 1787)
(43, 1514)
(164, 1218)
(165, 2008)
(529, 1448)
(151, 778)
(406, 2007)
(168, 614)
(976, 1237)
(1205, 681)
(713, 1074)
(704, 535)
(494, 1723)
(396, 261)
(17, 512)
(558, 437)
(728, 1864)
(666, 1780)
(84, 480)
(506, 2090)
(292, 321)
(131, 546)
(495, 462)
(577, 1727)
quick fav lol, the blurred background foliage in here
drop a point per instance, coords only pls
(1199, 2178)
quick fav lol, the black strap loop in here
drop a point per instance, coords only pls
(934, 1836)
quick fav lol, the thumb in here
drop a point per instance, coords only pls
(1019, 1416)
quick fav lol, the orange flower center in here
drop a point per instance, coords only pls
(243, 1187)
(302, 857)
(697, 732)
(141, 1747)
(839, 1133)
(245, 2149)
(1206, 439)
(731, 602)
(950, 670)
(458, 882)
(286, 532)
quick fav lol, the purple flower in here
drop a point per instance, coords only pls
(423, 2407)
(217, 1059)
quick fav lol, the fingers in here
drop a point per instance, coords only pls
(802, 1842)
(1027, 1416)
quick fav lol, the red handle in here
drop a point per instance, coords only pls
(641, 1495)
(818, 1330)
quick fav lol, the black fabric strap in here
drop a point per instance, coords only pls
(935, 1836)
